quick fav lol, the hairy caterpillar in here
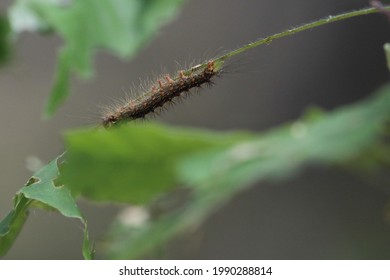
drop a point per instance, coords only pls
(163, 92)
(201, 74)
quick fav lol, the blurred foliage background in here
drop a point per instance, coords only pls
(324, 212)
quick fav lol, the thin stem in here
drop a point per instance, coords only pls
(291, 31)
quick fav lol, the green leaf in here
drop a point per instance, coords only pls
(4, 39)
(44, 190)
(24, 18)
(337, 137)
(132, 163)
(120, 26)
(60, 90)
(41, 191)
(216, 176)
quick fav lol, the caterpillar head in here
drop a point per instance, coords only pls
(109, 121)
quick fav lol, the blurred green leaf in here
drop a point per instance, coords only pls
(120, 26)
(4, 39)
(133, 163)
(336, 137)
(60, 89)
(216, 176)
(24, 18)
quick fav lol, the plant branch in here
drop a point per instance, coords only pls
(294, 30)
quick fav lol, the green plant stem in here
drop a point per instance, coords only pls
(294, 30)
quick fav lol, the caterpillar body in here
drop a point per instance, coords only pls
(162, 92)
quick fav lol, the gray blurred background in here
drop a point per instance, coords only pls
(323, 213)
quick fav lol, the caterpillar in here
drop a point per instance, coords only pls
(162, 93)
(196, 76)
